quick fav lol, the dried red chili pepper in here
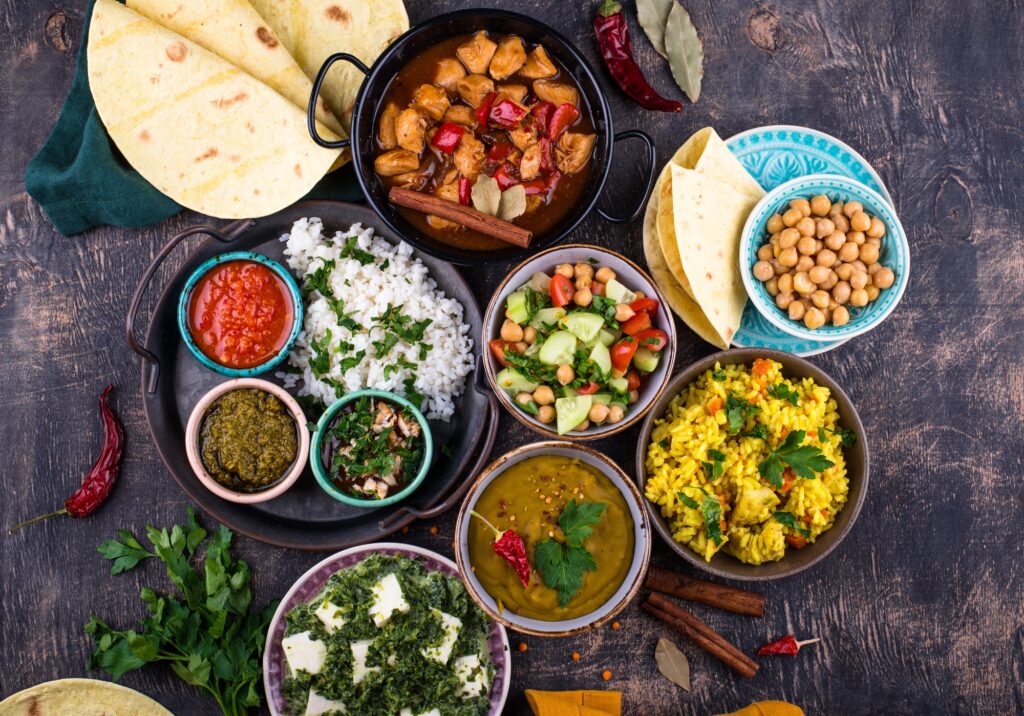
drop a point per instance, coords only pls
(98, 481)
(617, 53)
(510, 547)
(786, 645)
(447, 137)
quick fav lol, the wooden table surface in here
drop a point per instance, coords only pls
(920, 610)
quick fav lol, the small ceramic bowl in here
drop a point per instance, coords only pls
(320, 470)
(895, 254)
(195, 421)
(627, 273)
(186, 295)
(641, 534)
(725, 565)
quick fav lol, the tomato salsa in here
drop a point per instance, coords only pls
(240, 314)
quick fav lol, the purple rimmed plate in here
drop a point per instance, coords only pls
(312, 582)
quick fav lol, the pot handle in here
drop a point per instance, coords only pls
(651, 168)
(315, 94)
(150, 363)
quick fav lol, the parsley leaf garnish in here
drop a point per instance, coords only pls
(344, 320)
(351, 250)
(787, 519)
(847, 437)
(718, 375)
(784, 392)
(320, 355)
(759, 431)
(737, 410)
(563, 565)
(806, 460)
(710, 509)
(716, 467)
(317, 281)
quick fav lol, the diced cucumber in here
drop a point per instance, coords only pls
(512, 381)
(620, 385)
(645, 359)
(606, 337)
(540, 282)
(618, 293)
(570, 412)
(547, 317)
(559, 348)
(583, 325)
(602, 398)
(533, 349)
(517, 308)
(600, 355)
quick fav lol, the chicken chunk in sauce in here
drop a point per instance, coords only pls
(557, 93)
(508, 58)
(411, 130)
(477, 53)
(431, 100)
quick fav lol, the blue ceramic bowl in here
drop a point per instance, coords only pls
(186, 295)
(895, 254)
(316, 450)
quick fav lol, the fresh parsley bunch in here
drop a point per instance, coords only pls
(208, 636)
(563, 565)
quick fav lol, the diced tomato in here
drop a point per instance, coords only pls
(796, 541)
(484, 110)
(561, 290)
(561, 120)
(760, 367)
(640, 322)
(499, 151)
(622, 353)
(447, 137)
(503, 175)
(498, 347)
(506, 114)
(464, 191)
(714, 405)
(542, 114)
(653, 339)
(588, 388)
(597, 288)
(645, 304)
(632, 380)
(788, 478)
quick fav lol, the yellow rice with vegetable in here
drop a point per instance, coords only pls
(749, 462)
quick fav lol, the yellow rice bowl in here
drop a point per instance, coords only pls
(696, 422)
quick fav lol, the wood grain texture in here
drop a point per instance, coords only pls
(920, 610)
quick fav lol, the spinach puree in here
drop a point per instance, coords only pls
(248, 440)
(401, 676)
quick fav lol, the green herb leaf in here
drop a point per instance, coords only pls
(758, 431)
(784, 392)
(578, 519)
(653, 16)
(805, 460)
(718, 375)
(737, 411)
(562, 567)
(688, 501)
(787, 519)
(125, 554)
(711, 511)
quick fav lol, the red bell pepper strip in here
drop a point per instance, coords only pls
(464, 191)
(588, 388)
(506, 114)
(484, 110)
(447, 137)
(632, 380)
(499, 151)
(653, 339)
(645, 304)
(547, 156)
(787, 645)
(561, 290)
(639, 322)
(542, 115)
(510, 547)
(553, 182)
(504, 177)
(562, 119)
(622, 353)
(535, 186)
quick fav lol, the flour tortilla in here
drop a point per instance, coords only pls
(312, 30)
(80, 697)
(202, 131)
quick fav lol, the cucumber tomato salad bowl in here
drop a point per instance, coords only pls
(580, 342)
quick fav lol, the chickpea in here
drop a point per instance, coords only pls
(544, 395)
(763, 271)
(564, 270)
(583, 297)
(615, 414)
(584, 282)
(873, 293)
(835, 240)
(634, 396)
(778, 268)
(857, 237)
(772, 286)
(858, 280)
(788, 237)
(786, 283)
(877, 228)
(796, 310)
(814, 318)
(820, 205)
(873, 268)
(521, 347)
(530, 335)
(820, 299)
(832, 305)
(806, 246)
(826, 314)
(784, 300)
(851, 208)
(524, 399)
(830, 282)
(858, 297)
(623, 312)
(598, 413)
(860, 221)
(819, 274)
(775, 224)
(792, 216)
(546, 414)
(840, 316)
(836, 209)
(806, 226)
(765, 253)
(844, 271)
(582, 426)
(841, 292)
(826, 258)
(823, 228)
(788, 257)
(511, 331)
(849, 252)
(884, 277)
(869, 254)
(565, 374)
(859, 265)
(841, 222)
(804, 263)
(803, 284)
(639, 295)
(582, 270)
(604, 274)
(801, 205)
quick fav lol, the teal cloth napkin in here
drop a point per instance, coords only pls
(82, 181)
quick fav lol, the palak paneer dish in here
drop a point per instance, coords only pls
(577, 531)
(491, 122)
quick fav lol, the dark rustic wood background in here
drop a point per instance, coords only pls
(920, 610)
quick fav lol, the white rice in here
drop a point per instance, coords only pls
(394, 278)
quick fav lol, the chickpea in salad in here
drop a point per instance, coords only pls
(576, 346)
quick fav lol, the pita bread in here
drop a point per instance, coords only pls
(80, 697)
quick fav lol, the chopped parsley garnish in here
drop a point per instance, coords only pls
(737, 410)
(344, 320)
(317, 281)
(447, 450)
(805, 460)
(592, 261)
(710, 509)
(604, 307)
(563, 565)
(759, 431)
(847, 437)
(401, 325)
(351, 250)
(532, 369)
(424, 349)
(361, 445)
(784, 392)
(787, 519)
(718, 375)
(414, 396)
(716, 466)
(384, 346)
(320, 355)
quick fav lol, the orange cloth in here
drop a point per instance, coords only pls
(769, 708)
(575, 703)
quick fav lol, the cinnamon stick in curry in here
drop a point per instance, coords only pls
(720, 596)
(461, 214)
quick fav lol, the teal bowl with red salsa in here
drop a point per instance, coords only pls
(240, 313)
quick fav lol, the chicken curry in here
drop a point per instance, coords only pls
(486, 109)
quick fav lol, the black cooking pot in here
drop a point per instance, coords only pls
(418, 39)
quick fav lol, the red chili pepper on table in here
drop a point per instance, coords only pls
(447, 137)
(787, 645)
(98, 481)
(617, 53)
(510, 547)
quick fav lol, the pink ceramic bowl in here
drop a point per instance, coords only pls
(192, 441)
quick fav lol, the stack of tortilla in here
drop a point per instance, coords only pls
(692, 235)
(207, 98)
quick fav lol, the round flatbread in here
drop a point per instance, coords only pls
(80, 697)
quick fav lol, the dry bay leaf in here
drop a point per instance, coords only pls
(653, 16)
(486, 195)
(513, 202)
(685, 51)
(673, 664)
